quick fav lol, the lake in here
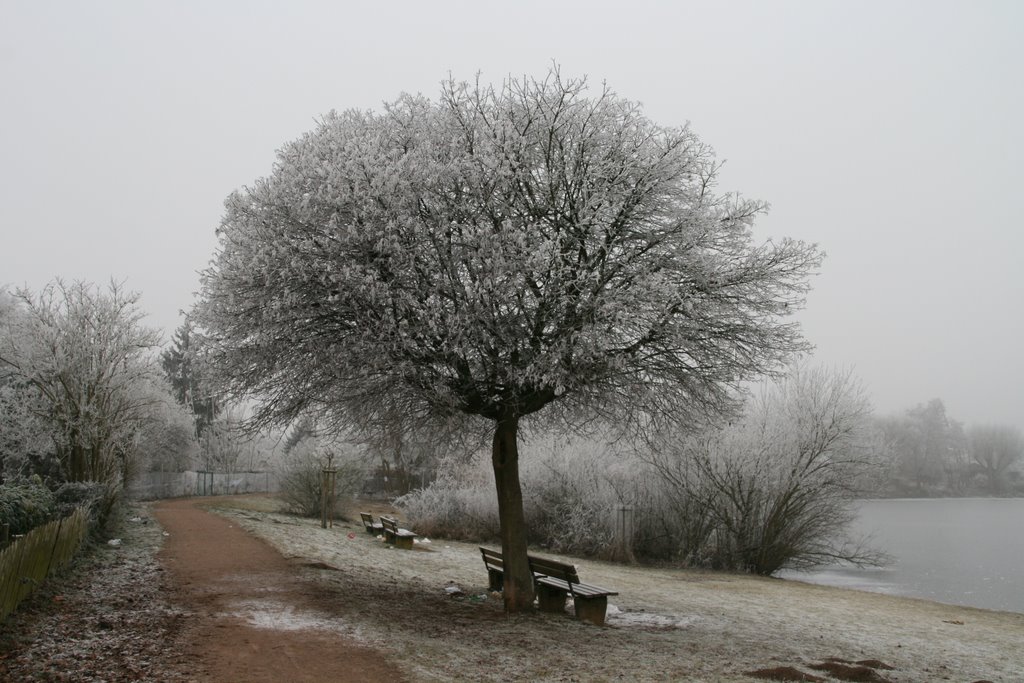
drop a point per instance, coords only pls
(962, 551)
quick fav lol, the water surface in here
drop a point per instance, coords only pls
(962, 551)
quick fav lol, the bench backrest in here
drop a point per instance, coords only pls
(389, 524)
(367, 519)
(538, 565)
(492, 559)
(553, 568)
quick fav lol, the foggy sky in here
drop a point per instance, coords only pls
(888, 133)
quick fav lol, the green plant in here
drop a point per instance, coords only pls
(26, 504)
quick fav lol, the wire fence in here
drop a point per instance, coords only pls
(26, 562)
(158, 485)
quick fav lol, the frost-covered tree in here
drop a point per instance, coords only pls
(167, 439)
(304, 428)
(224, 443)
(25, 448)
(993, 450)
(81, 356)
(532, 250)
(928, 447)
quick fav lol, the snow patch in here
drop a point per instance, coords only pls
(277, 616)
(616, 617)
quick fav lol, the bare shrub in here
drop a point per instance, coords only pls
(672, 525)
(301, 477)
(458, 504)
(100, 498)
(774, 488)
(569, 495)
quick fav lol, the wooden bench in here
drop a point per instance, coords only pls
(553, 581)
(373, 528)
(495, 569)
(400, 538)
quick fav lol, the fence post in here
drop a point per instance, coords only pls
(5, 535)
(9, 579)
(53, 548)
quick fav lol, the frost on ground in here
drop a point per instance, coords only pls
(665, 624)
(642, 619)
(280, 616)
(111, 618)
(116, 619)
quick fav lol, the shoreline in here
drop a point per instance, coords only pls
(791, 575)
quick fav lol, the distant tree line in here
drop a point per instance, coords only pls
(928, 453)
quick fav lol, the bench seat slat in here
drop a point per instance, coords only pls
(582, 589)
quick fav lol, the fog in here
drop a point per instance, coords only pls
(888, 133)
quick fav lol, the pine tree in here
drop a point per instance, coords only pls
(178, 366)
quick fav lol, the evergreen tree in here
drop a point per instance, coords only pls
(178, 366)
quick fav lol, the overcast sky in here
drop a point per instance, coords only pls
(890, 133)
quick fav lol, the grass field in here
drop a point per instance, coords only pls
(666, 624)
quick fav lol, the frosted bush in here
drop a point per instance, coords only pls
(569, 493)
(302, 477)
(26, 504)
(772, 489)
(460, 503)
(568, 496)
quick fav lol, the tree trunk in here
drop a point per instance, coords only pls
(77, 465)
(518, 591)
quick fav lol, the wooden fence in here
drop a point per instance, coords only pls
(30, 559)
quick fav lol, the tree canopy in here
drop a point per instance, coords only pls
(79, 358)
(494, 253)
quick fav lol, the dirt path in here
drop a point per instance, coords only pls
(244, 596)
